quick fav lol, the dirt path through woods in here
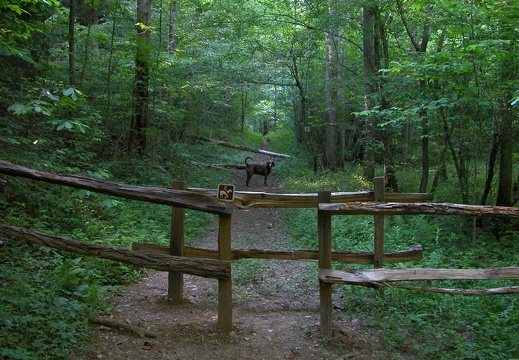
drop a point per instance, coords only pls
(275, 304)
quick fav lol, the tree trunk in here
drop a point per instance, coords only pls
(71, 42)
(301, 121)
(109, 72)
(504, 190)
(494, 150)
(172, 40)
(506, 118)
(244, 101)
(441, 172)
(138, 140)
(370, 88)
(382, 56)
(458, 159)
(94, 20)
(420, 47)
(425, 121)
(425, 148)
(330, 94)
(241, 147)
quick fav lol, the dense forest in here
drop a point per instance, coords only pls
(426, 91)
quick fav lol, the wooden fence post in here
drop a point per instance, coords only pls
(224, 285)
(380, 196)
(324, 228)
(176, 247)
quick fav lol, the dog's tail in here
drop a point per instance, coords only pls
(247, 158)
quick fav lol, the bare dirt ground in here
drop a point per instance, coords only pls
(275, 305)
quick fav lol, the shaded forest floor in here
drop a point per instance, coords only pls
(275, 305)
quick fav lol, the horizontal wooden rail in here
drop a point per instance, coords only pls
(387, 277)
(248, 199)
(365, 208)
(201, 267)
(415, 274)
(199, 199)
(413, 254)
(153, 194)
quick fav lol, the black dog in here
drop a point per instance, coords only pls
(259, 169)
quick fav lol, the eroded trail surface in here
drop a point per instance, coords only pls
(275, 305)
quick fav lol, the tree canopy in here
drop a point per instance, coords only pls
(432, 84)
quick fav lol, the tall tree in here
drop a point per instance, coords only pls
(508, 74)
(331, 92)
(137, 140)
(172, 23)
(72, 42)
(420, 46)
(370, 87)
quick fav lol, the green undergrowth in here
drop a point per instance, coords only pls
(415, 324)
(48, 296)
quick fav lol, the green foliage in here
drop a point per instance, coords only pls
(433, 326)
(282, 141)
(246, 138)
(46, 299)
(18, 25)
(50, 105)
(417, 324)
(300, 177)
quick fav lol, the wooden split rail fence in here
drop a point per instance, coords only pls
(379, 276)
(178, 259)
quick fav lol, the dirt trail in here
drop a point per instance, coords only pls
(275, 305)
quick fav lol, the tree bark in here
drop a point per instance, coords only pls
(109, 69)
(506, 118)
(138, 138)
(331, 93)
(370, 89)
(172, 40)
(494, 150)
(72, 42)
(244, 102)
(420, 47)
(301, 118)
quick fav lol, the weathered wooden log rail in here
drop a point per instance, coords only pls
(200, 267)
(384, 277)
(413, 254)
(389, 208)
(389, 275)
(197, 199)
(216, 264)
(154, 194)
(250, 200)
